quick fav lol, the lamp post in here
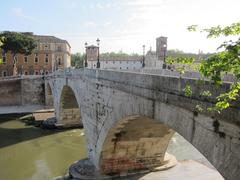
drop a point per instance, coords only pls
(98, 62)
(86, 64)
(143, 63)
(164, 55)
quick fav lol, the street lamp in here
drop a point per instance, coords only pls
(164, 55)
(143, 63)
(98, 62)
(86, 64)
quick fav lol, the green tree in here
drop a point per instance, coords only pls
(77, 60)
(117, 54)
(17, 43)
(0, 47)
(227, 60)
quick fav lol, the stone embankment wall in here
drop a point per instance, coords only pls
(25, 90)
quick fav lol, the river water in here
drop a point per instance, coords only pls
(30, 153)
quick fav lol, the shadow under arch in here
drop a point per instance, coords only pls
(49, 99)
(135, 143)
(69, 110)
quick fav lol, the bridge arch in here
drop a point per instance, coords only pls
(69, 109)
(169, 119)
(135, 143)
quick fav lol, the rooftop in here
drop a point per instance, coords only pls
(49, 39)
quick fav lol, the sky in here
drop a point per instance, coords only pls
(124, 25)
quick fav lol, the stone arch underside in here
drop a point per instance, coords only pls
(49, 99)
(135, 143)
(69, 113)
(198, 130)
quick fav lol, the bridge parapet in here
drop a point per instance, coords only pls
(169, 89)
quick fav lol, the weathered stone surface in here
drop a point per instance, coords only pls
(107, 98)
(26, 90)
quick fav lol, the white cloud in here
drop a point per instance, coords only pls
(131, 23)
(147, 20)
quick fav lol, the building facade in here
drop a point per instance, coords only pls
(121, 62)
(50, 54)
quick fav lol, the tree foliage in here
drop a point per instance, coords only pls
(0, 47)
(116, 54)
(188, 91)
(77, 60)
(221, 63)
(17, 43)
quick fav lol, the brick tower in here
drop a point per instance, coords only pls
(161, 47)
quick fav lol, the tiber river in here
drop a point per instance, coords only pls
(30, 153)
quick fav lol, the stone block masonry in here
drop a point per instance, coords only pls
(25, 90)
(70, 116)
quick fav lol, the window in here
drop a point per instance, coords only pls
(4, 73)
(36, 58)
(46, 47)
(25, 59)
(46, 72)
(25, 73)
(46, 59)
(4, 58)
(36, 72)
(59, 48)
(59, 61)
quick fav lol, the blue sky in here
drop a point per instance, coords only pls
(121, 24)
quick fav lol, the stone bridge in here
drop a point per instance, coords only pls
(129, 119)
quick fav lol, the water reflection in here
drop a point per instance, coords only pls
(31, 153)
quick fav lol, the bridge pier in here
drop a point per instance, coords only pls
(70, 117)
(85, 169)
(134, 145)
